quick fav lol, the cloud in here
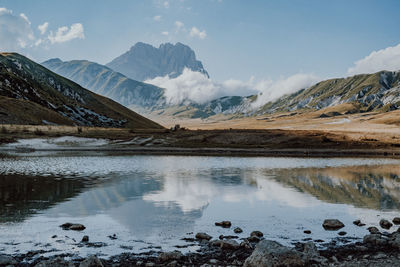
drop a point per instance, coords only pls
(165, 33)
(198, 88)
(65, 34)
(157, 18)
(166, 4)
(384, 59)
(194, 32)
(15, 31)
(270, 90)
(179, 25)
(43, 28)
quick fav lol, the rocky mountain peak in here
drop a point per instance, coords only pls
(144, 61)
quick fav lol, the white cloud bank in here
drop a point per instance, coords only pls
(15, 31)
(384, 59)
(157, 18)
(65, 34)
(271, 90)
(196, 87)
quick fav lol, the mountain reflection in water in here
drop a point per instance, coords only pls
(163, 198)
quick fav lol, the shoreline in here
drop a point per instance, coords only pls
(223, 152)
(376, 249)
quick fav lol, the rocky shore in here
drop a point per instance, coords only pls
(378, 248)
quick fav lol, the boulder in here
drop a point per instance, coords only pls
(85, 239)
(271, 253)
(170, 256)
(225, 224)
(229, 244)
(257, 234)
(373, 230)
(332, 224)
(56, 262)
(7, 260)
(385, 224)
(310, 250)
(203, 236)
(396, 242)
(253, 239)
(91, 261)
(396, 220)
(374, 239)
(73, 226)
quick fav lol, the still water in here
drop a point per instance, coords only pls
(152, 202)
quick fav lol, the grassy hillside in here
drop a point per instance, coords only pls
(63, 101)
(379, 91)
(104, 81)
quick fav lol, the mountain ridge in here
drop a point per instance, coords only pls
(24, 81)
(103, 80)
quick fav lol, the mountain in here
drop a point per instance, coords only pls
(104, 81)
(144, 61)
(379, 91)
(227, 105)
(32, 94)
(368, 92)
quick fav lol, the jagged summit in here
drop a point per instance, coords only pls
(144, 61)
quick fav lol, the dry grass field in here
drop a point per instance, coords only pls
(329, 129)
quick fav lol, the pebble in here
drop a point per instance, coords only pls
(396, 220)
(203, 236)
(85, 238)
(168, 256)
(213, 261)
(307, 232)
(358, 223)
(237, 230)
(342, 233)
(379, 256)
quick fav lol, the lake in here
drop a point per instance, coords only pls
(152, 202)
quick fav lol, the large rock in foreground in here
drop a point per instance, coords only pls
(271, 253)
(332, 224)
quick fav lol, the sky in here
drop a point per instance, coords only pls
(248, 42)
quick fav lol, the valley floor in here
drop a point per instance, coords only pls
(321, 133)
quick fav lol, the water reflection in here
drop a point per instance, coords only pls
(21, 195)
(160, 199)
(373, 187)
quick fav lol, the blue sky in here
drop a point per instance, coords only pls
(234, 39)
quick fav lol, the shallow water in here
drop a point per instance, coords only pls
(151, 201)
